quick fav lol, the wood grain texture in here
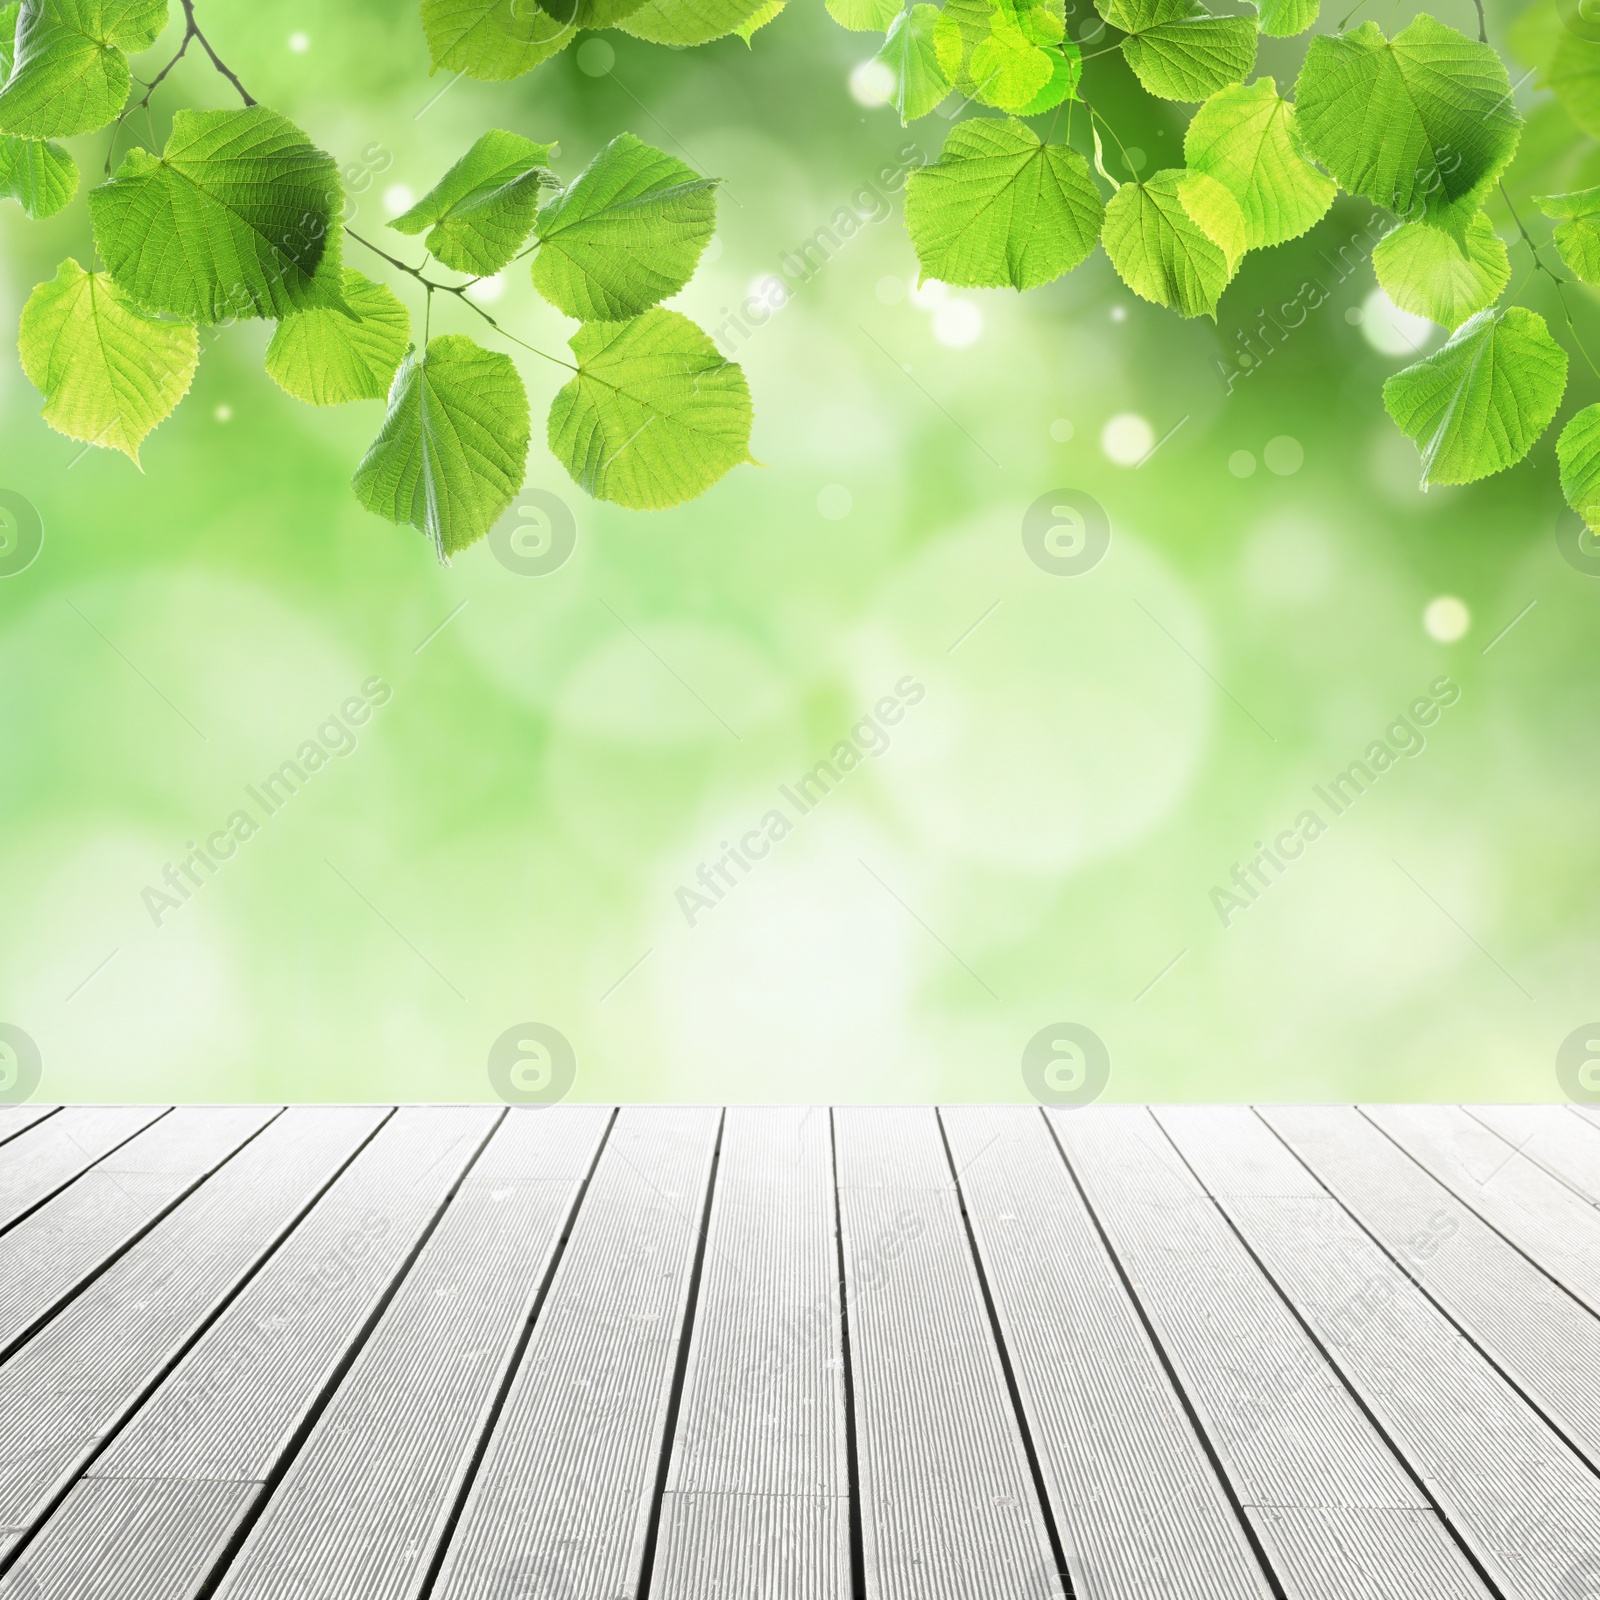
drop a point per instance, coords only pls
(17, 1119)
(1139, 1507)
(757, 1500)
(1524, 1322)
(566, 1492)
(949, 1506)
(61, 1245)
(1509, 1488)
(75, 1381)
(52, 1153)
(1336, 1514)
(1556, 1137)
(366, 1503)
(232, 1404)
(1531, 1207)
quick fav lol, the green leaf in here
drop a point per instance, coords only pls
(1476, 406)
(41, 177)
(1577, 236)
(689, 22)
(910, 53)
(70, 69)
(492, 40)
(759, 18)
(1160, 251)
(238, 217)
(999, 208)
(864, 16)
(655, 415)
(1066, 69)
(1191, 56)
(108, 372)
(1578, 452)
(1417, 123)
(326, 356)
(625, 235)
(8, 37)
(483, 208)
(1424, 272)
(1574, 74)
(1247, 139)
(990, 49)
(1282, 19)
(454, 445)
(1220, 217)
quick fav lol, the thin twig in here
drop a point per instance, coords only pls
(459, 290)
(192, 30)
(1483, 26)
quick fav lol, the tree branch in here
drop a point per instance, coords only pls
(192, 31)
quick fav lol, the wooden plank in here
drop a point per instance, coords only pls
(757, 1503)
(949, 1507)
(51, 1154)
(566, 1493)
(1528, 1205)
(1508, 1487)
(18, 1119)
(1560, 1141)
(1136, 1501)
(51, 1253)
(71, 1385)
(1527, 1325)
(1337, 1516)
(242, 1393)
(366, 1503)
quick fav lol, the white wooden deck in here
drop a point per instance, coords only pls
(900, 1353)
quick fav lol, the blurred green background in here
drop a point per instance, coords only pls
(1040, 840)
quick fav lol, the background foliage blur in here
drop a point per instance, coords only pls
(1041, 839)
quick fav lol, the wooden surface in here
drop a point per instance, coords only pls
(788, 1353)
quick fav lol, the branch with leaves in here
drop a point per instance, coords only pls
(239, 215)
(1422, 124)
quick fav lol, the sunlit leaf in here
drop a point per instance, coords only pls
(454, 445)
(1421, 123)
(689, 22)
(39, 175)
(911, 54)
(1424, 271)
(654, 416)
(864, 16)
(999, 208)
(480, 212)
(108, 371)
(327, 357)
(1477, 405)
(236, 218)
(1190, 57)
(1578, 451)
(492, 40)
(1160, 251)
(1577, 233)
(1247, 139)
(626, 234)
(1282, 19)
(69, 72)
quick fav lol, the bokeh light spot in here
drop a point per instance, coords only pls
(871, 83)
(1446, 619)
(1391, 331)
(1241, 463)
(1127, 438)
(834, 502)
(1284, 455)
(957, 323)
(1061, 430)
(596, 57)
